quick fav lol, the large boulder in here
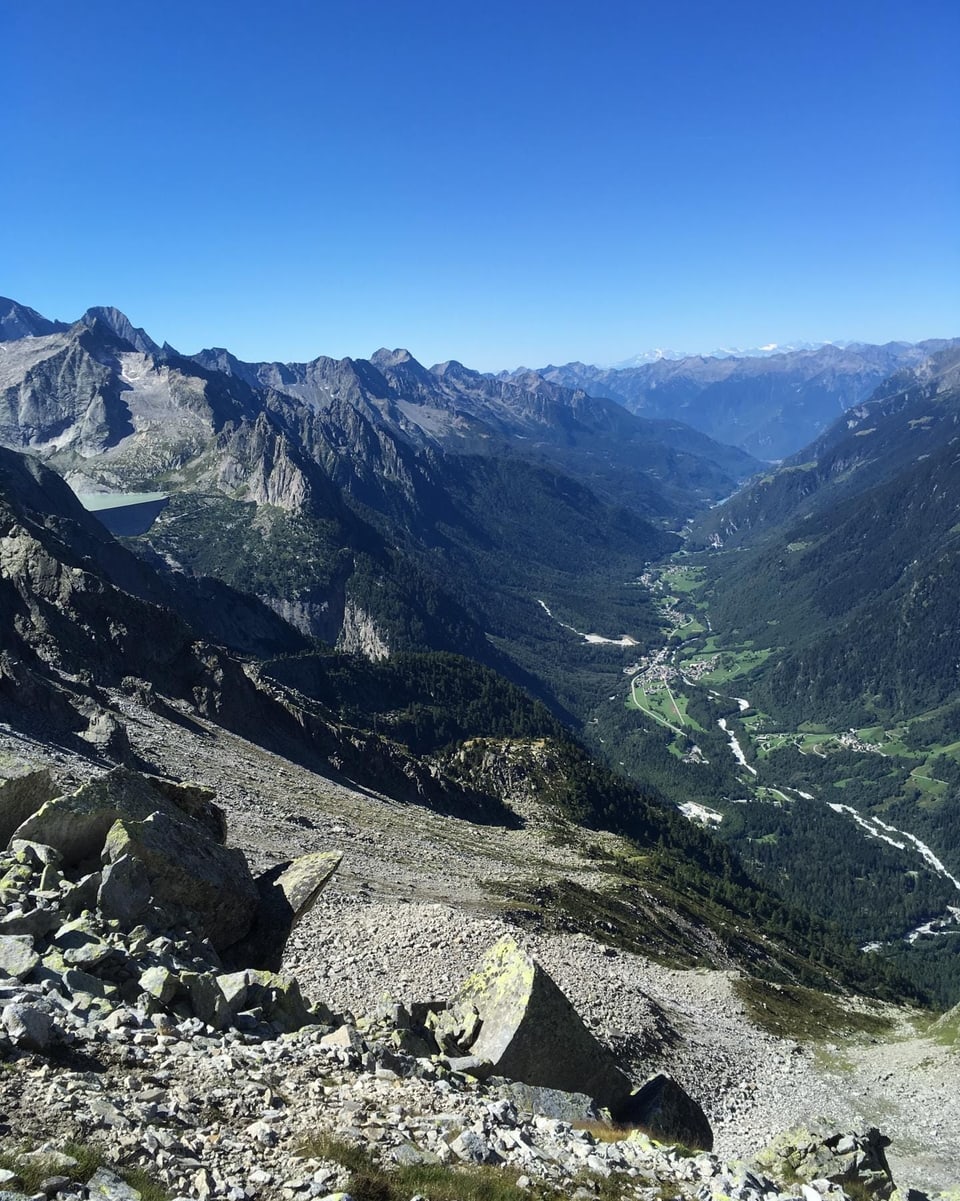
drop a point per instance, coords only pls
(21, 796)
(529, 1031)
(161, 846)
(286, 893)
(196, 801)
(193, 882)
(17, 956)
(667, 1113)
(547, 1102)
(77, 823)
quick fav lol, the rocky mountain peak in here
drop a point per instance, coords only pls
(384, 358)
(453, 370)
(122, 326)
(19, 321)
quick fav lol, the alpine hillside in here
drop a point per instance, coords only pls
(815, 634)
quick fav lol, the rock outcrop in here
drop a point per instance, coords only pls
(122, 894)
(21, 796)
(667, 1112)
(286, 892)
(819, 1152)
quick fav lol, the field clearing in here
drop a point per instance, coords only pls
(664, 704)
(684, 579)
(809, 743)
(929, 785)
(691, 629)
(736, 663)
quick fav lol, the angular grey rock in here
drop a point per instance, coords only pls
(530, 1031)
(35, 922)
(17, 956)
(50, 1159)
(82, 894)
(279, 997)
(345, 1038)
(456, 1027)
(28, 1026)
(286, 893)
(473, 1148)
(161, 983)
(206, 999)
(818, 1151)
(35, 854)
(470, 1065)
(77, 824)
(547, 1102)
(107, 734)
(92, 989)
(667, 1113)
(124, 891)
(197, 802)
(193, 880)
(21, 796)
(105, 1185)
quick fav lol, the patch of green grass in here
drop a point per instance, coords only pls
(370, 1181)
(148, 1188)
(803, 1014)
(927, 784)
(691, 629)
(347, 1154)
(665, 704)
(89, 1159)
(736, 663)
(603, 1132)
(946, 1029)
(684, 579)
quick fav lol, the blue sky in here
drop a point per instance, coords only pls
(501, 183)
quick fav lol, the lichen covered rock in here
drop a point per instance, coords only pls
(530, 1032)
(819, 1151)
(196, 882)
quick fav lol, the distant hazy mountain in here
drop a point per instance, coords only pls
(721, 352)
(769, 404)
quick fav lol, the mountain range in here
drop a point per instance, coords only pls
(769, 405)
(93, 632)
(371, 503)
(399, 561)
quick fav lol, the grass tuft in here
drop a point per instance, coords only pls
(804, 1014)
(369, 1181)
(89, 1159)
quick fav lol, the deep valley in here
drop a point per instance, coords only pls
(683, 722)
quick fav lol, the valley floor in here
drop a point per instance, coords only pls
(412, 909)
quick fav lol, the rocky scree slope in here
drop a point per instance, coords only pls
(446, 734)
(81, 614)
(450, 735)
(192, 1082)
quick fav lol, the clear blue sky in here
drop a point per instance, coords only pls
(501, 183)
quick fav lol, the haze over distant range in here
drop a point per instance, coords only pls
(503, 185)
